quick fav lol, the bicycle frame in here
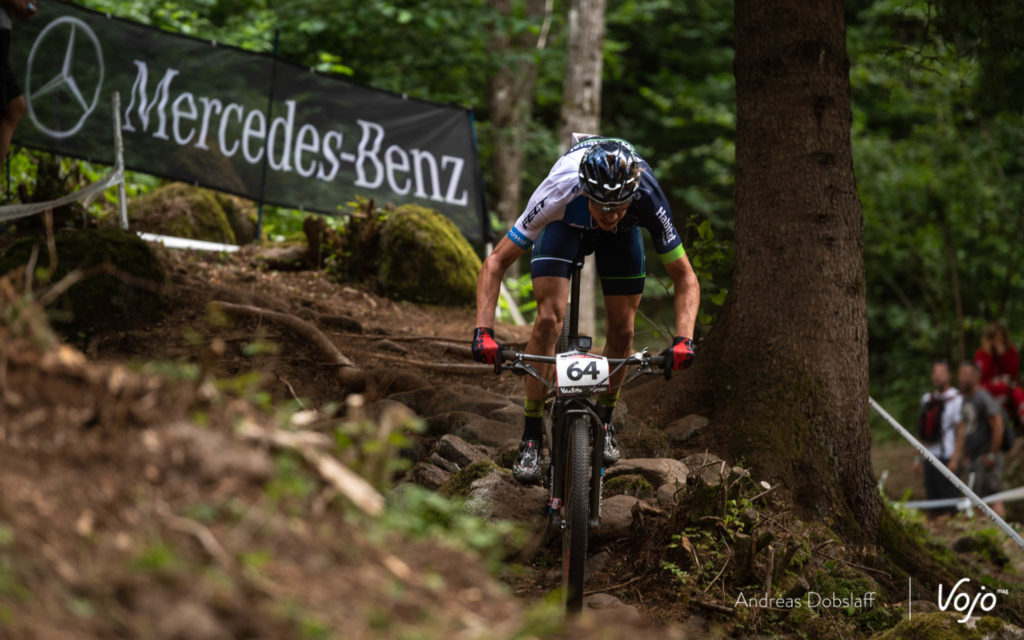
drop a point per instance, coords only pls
(565, 413)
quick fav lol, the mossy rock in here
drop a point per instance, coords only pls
(179, 210)
(459, 484)
(942, 625)
(241, 214)
(629, 485)
(424, 257)
(101, 302)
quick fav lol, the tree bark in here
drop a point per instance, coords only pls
(786, 365)
(581, 108)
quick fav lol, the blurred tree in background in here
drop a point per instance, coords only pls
(937, 129)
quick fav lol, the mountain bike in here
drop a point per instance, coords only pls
(575, 474)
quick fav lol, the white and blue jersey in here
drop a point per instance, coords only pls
(558, 198)
(557, 224)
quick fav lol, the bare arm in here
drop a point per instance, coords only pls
(488, 285)
(996, 422)
(687, 295)
(958, 448)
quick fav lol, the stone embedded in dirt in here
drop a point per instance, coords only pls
(474, 428)
(707, 469)
(455, 449)
(667, 495)
(616, 519)
(431, 401)
(608, 604)
(374, 410)
(509, 414)
(447, 465)
(596, 564)
(681, 430)
(498, 497)
(657, 471)
(428, 475)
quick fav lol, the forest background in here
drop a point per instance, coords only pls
(936, 128)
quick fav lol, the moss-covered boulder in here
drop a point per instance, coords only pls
(183, 211)
(424, 257)
(106, 300)
(945, 625)
(241, 214)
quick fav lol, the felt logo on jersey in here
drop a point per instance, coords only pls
(533, 213)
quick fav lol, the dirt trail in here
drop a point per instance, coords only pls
(129, 506)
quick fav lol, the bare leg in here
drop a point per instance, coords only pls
(620, 312)
(551, 293)
(9, 122)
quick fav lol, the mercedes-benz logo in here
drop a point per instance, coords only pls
(65, 79)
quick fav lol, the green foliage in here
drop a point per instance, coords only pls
(521, 290)
(940, 184)
(422, 513)
(157, 558)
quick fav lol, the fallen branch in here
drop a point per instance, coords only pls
(347, 482)
(714, 607)
(298, 325)
(614, 587)
(202, 533)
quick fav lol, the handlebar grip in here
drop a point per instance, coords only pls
(506, 354)
(658, 361)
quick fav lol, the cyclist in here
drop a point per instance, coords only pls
(597, 196)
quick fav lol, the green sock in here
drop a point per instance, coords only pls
(606, 405)
(534, 428)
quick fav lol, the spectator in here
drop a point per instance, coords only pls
(940, 418)
(11, 99)
(983, 434)
(999, 364)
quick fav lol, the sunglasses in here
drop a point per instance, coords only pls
(612, 207)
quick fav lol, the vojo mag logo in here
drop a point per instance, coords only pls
(61, 35)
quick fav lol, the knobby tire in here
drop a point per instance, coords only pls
(576, 513)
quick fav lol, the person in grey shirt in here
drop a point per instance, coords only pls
(983, 428)
(11, 99)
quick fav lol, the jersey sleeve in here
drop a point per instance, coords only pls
(546, 205)
(657, 219)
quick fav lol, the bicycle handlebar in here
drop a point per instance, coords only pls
(513, 355)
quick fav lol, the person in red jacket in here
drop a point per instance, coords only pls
(999, 363)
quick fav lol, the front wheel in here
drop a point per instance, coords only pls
(576, 514)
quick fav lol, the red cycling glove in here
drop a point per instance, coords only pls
(485, 348)
(678, 356)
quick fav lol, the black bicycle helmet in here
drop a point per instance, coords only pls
(610, 172)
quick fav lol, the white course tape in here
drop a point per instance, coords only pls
(964, 489)
(15, 211)
(188, 243)
(961, 503)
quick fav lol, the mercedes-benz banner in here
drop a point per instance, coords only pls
(196, 111)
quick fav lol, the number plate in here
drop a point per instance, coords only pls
(580, 374)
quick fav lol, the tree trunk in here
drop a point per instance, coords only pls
(510, 104)
(787, 361)
(581, 108)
